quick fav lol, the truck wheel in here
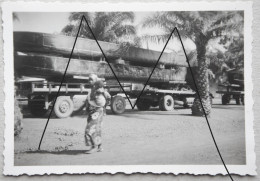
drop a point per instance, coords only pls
(143, 105)
(154, 103)
(238, 100)
(36, 106)
(185, 103)
(225, 99)
(118, 105)
(63, 107)
(166, 103)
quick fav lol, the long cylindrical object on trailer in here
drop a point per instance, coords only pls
(61, 45)
(49, 66)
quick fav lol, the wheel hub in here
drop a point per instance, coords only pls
(64, 107)
(119, 104)
(168, 103)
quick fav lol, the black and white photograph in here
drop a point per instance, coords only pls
(125, 89)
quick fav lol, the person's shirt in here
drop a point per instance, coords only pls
(97, 99)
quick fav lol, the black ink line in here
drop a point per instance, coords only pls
(108, 63)
(154, 67)
(60, 84)
(83, 17)
(106, 59)
(203, 106)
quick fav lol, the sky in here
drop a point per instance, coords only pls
(41, 22)
(54, 22)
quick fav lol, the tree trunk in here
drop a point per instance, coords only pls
(202, 81)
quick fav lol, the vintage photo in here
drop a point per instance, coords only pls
(95, 89)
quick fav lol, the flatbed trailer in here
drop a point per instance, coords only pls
(72, 97)
(233, 91)
(150, 97)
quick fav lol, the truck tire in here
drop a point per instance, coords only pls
(211, 97)
(166, 103)
(118, 104)
(185, 103)
(36, 106)
(225, 99)
(210, 100)
(143, 105)
(238, 100)
(63, 107)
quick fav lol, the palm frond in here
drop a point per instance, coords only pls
(227, 22)
(76, 16)
(68, 29)
(124, 30)
(160, 20)
(123, 17)
(106, 26)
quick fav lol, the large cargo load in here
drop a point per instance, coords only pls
(49, 67)
(61, 45)
(46, 56)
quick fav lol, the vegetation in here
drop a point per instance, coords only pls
(116, 27)
(201, 27)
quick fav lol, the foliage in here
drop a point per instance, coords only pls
(232, 58)
(116, 27)
(201, 27)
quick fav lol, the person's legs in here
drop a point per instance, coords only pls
(99, 131)
(89, 131)
(93, 131)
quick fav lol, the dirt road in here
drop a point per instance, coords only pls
(137, 137)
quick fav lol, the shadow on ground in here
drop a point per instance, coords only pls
(63, 152)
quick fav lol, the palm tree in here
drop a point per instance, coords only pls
(200, 27)
(116, 27)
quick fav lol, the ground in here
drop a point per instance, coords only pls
(137, 138)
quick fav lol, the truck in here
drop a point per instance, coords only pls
(233, 87)
(45, 56)
(41, 94)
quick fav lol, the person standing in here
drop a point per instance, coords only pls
(96, 101)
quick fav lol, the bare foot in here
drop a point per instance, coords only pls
(92, 150)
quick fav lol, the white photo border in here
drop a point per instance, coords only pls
(9, 7)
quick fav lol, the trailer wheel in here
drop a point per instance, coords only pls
(186, 103)
(211, 97)
(143, 105)
(118, 104)
(225, 99)
(166, 103)
(63, 107)
(238, 100)
(36, 106)
(210, 100)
